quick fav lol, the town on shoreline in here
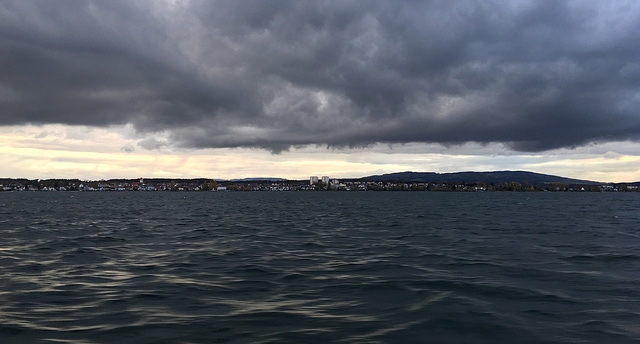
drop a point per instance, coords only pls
(313, 184)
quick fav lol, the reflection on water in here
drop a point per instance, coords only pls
(319, 267)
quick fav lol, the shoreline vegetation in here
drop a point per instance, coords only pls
(361, 184)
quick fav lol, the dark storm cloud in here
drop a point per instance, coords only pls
(274, 74)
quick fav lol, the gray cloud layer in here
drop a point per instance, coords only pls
(534, 75)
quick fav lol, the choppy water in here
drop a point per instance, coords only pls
(319, 267)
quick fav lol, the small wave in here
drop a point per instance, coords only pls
(605, 257)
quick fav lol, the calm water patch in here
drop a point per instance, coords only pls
(347, 267)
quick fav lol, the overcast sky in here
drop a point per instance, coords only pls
(550, 86)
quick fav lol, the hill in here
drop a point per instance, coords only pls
(497, 177)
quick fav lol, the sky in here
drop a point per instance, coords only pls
(239, 89)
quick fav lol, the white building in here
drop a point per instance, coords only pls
(325, 180)
(313, 180)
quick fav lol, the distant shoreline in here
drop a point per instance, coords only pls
(197, 185)
(520, 181)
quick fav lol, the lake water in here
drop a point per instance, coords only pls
(332, 267)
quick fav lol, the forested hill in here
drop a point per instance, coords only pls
(497, 177)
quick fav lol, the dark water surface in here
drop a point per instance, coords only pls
(144, 267)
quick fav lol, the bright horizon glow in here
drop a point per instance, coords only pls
(70, 152)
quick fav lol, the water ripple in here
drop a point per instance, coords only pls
(319, 268)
